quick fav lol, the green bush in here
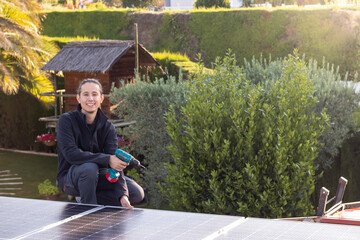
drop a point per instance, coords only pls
(339, 100)
(46, 188)
(239, 149)
(19, 120)
(357, 117)
(147, 103)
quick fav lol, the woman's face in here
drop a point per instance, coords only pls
(90, 98)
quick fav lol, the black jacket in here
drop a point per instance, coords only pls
(76, 145)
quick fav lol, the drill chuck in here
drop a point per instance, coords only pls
(126, 157)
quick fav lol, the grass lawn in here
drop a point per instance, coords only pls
(33, 169)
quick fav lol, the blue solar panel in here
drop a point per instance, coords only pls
(39, 219)
(256, 228)
(118, 223)
(19, 216)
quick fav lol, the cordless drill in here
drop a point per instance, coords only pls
(113, 175)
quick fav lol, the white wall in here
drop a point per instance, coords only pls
(181, 4)
(189, 4)
(235, 3)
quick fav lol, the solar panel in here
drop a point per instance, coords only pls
(19, 216)
(39, 219)
(256, 228)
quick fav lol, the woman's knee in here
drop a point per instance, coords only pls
(88, 171)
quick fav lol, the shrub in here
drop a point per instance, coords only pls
(46, 188)
(239, 149)
(357, 117)
(336, 96)
(147, 103)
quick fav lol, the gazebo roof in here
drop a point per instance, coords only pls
(95, 56)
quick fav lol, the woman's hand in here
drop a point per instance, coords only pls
(124, 201)
(117, 164)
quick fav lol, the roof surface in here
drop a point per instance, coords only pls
(90, 56)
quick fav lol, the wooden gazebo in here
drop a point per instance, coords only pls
(109, 61)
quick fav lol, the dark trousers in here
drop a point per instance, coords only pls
(89, 182)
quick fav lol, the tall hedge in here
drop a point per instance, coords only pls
(246, 32)
(329, 32)
(103, 24)
(240, 149)
(19, 123)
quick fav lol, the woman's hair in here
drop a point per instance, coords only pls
(90, 80)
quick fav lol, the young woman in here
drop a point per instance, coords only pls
(87, 141)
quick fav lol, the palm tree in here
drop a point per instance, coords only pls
(22, 50)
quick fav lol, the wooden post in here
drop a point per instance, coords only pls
(136, 48)
(321, 209)
(55, 90)
(61, 102)
(340, 190)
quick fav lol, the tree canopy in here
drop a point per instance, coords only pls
(22, 51)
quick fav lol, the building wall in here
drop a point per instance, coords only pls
(179, 4)
(122, 72)
(189, 4)
(235, 3)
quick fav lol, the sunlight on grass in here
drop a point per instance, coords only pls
(70, 39)
(179, 60)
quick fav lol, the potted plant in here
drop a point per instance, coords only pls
(48, 191)
(47, 139)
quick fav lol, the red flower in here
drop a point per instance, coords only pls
(46, 137)
(122, 142)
